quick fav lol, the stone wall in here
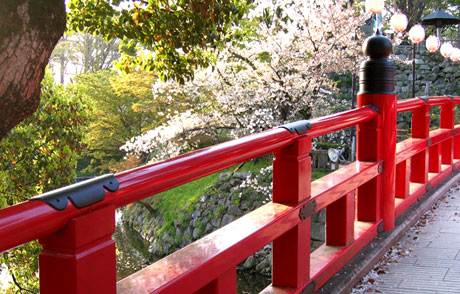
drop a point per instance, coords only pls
(227, 199)
(442, 74)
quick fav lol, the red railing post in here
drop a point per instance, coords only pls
(456, 145)
(340, 220)
(377, 139)
(403, 179)
(420, 129)
(447, 122)
(434, 165)
(292, 184)
(80, 259)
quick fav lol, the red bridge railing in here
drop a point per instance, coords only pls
(75, 224)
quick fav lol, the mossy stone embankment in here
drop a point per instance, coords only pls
(228, 197)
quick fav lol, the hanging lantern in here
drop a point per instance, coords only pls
(374, 6)
(399, 21)
(446, 50)
(417, 34)
(433, 43)
(455, 56)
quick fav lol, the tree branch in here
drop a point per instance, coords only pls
(19, 285)
(245, 59)
(146, 206)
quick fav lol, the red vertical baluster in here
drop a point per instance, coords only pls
(377, 139)
(403, 179)
(80, 259)
(457, 146)
(340, 220)
(456, 136)
(420, 129)
(292, 184)
(447, 122)
(434, 161)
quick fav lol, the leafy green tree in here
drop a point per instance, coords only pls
(38, 155)
(177, 32)
(122, 107)
(80, 53)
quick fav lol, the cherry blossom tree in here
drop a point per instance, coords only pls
(280, 71)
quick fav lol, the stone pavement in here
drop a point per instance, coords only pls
(427, 259)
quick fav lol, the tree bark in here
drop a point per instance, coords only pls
(29, 31)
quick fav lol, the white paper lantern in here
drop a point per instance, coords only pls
(433, 43)
(374, 6)
(399, 21)
(446, 50)
(417, 34)
(455, 56)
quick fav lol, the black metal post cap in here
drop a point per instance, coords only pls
(377, 74)
(377, 46)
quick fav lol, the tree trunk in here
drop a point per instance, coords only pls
(29, 31)
(62, 69)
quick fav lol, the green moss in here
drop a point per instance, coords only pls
(217, 214)
(237, 201)
(319, 173)
(199, 225)
(174, 203)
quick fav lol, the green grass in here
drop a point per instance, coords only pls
(175, 202)
(319, 173)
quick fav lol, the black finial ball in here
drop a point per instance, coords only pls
(377, 46)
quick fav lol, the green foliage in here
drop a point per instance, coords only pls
(162, 27)
(122, 107)
(316, 174)
(326, 145)
(177, 201)
(173, 203)
(435, 117)
(39, 155)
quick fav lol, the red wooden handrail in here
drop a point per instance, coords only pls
(409, 104)
(414, 103)
(439, 100)
(145, 181)
(337, 121)
(456, 100)
(32, 220)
